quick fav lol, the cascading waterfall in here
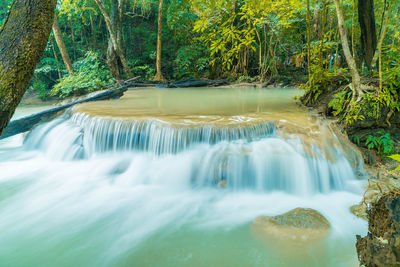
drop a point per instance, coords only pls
(242, 157)
(92, 190)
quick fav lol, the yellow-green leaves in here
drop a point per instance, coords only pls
(72, 8)
(229, 27)
(396, 157)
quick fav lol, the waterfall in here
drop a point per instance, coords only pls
(175, 182)
(243, 157)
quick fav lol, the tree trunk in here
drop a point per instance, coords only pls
(356, 81)
(113, 60)
(23, 39)
(317, 23)
(366, 17)
(73, 38)
(381, 38)
(159, 76)
(309, 41)
(93, 30)
(114, 37)
(56, 58)
(61, 45)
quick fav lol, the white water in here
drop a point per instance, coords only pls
(80, 192)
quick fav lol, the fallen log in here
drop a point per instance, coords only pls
(178, 84)
(194, 83)
(27, 123)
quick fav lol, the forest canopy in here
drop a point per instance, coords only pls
(268, 41)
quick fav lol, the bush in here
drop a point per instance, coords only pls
(89, 75)
(191, 62)
(145, 72)
(382, 143)
(40, 88)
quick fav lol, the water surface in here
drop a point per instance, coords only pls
(137, 182)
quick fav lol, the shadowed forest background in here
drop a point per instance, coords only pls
(243, 41)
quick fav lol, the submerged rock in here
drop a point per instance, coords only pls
(299, 225)
(381, 246)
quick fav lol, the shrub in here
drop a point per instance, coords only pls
(145, 72)
(89, 75)
(383, 143)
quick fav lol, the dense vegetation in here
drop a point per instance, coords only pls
(246, 41)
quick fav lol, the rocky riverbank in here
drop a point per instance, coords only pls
(380, 205)
(381, 246)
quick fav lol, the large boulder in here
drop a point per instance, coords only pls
(381, 246)
(298, 225)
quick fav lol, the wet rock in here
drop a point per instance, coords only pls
(222, 184)
(381, 246)
(370, 157)
(360, 211)
(299, 225)
(375, 189)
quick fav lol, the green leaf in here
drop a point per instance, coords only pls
(395, 157)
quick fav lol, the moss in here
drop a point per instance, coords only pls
(23, 39)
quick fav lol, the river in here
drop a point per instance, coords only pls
(175, 177)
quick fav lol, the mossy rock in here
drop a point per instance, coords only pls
(300, 225)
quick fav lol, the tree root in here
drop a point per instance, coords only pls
(389, 116)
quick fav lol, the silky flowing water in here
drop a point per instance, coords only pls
(175, 178)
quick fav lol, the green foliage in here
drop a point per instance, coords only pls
(382, 143)
(245, 40)
(4, 7)
(337, 103)
(191, 61)
(144, 71)
(245, 78)
(375, 103)
(369, 104)
(346, 108)
(89, 75)
(40, 88)
(396, 157)
(356, 140)
(322, 77)
(234, 31)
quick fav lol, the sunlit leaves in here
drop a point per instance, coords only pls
(230, 27)
(396, 157)
(78, 9)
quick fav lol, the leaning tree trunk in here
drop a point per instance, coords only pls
(113, 60)
(159, 76)
(61, 45)
(356, 80)
(23, 39)
(366, 17)
(114, 37)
